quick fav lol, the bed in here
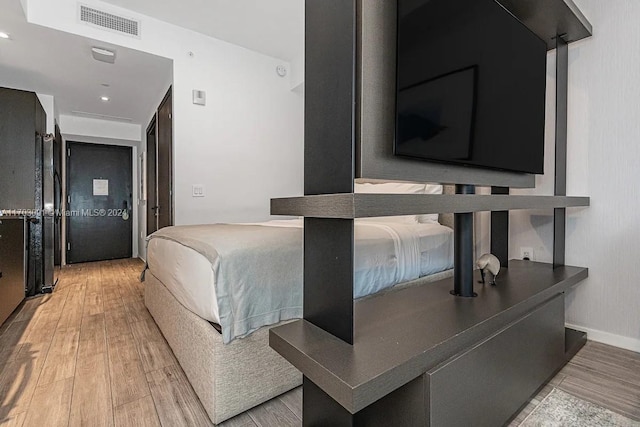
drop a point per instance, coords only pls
(215, 290)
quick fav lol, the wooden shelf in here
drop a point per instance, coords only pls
(400, 335)
(350, 205)
(549, 18)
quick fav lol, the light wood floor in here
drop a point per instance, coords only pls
(91, 355)
(601, 374)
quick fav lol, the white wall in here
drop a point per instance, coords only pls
(297, 73)
(245, 145)
(89, 127)
(48, 105)
(604, 153)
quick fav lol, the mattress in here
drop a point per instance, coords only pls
(385, 254)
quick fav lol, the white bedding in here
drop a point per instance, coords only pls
(401, 252)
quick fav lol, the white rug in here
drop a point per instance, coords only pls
(560, 409)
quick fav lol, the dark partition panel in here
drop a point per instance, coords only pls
(329, 161)
(19, 124)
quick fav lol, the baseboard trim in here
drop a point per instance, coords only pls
(608, 338)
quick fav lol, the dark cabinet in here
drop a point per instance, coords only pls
(12, 265)
(22, 174)
(22, 119)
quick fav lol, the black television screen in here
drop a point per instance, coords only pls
(471, 85)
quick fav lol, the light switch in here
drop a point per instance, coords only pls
(197, 190)
(199, 97)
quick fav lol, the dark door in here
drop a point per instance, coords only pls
(164, 168)
(57, 196)
(99, 223)
(152, 179)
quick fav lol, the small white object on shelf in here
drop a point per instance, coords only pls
(489, 263)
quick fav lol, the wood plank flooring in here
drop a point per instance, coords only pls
(90, 354)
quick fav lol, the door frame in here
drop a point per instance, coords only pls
(152, 185)
(136, 211)
(168, 96)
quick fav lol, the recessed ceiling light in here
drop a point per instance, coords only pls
(4, 35)
(104, 98)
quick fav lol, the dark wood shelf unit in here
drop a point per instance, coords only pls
(418, 355)
(400, 335)
(350, 205)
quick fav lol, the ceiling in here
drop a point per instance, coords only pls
(55, 63)
(272, 27)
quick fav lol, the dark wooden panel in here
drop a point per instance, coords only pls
(487, 384)
(573, 341)
(330, 29)
(18, 153)
(328, 275)
(165, 161)
(500, 230)
(12, 245)
(560, 178)
(152, 178)
(404, 407)
(22, 126)
(371, 205)
(402, 334)
(559, 236)
(320, 409)
(57, 178)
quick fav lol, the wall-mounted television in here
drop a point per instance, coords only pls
(471, 85)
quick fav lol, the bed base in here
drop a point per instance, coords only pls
(228, 379)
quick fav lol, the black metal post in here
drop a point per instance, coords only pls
(463, 249)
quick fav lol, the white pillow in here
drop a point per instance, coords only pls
(430, 218)
(391, 188)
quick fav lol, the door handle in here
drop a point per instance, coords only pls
(125, 210)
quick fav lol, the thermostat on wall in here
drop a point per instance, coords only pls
(199, 97)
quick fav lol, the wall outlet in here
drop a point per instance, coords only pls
(526, 253)
(197, 190)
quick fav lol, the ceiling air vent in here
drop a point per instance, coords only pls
(109, 21)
